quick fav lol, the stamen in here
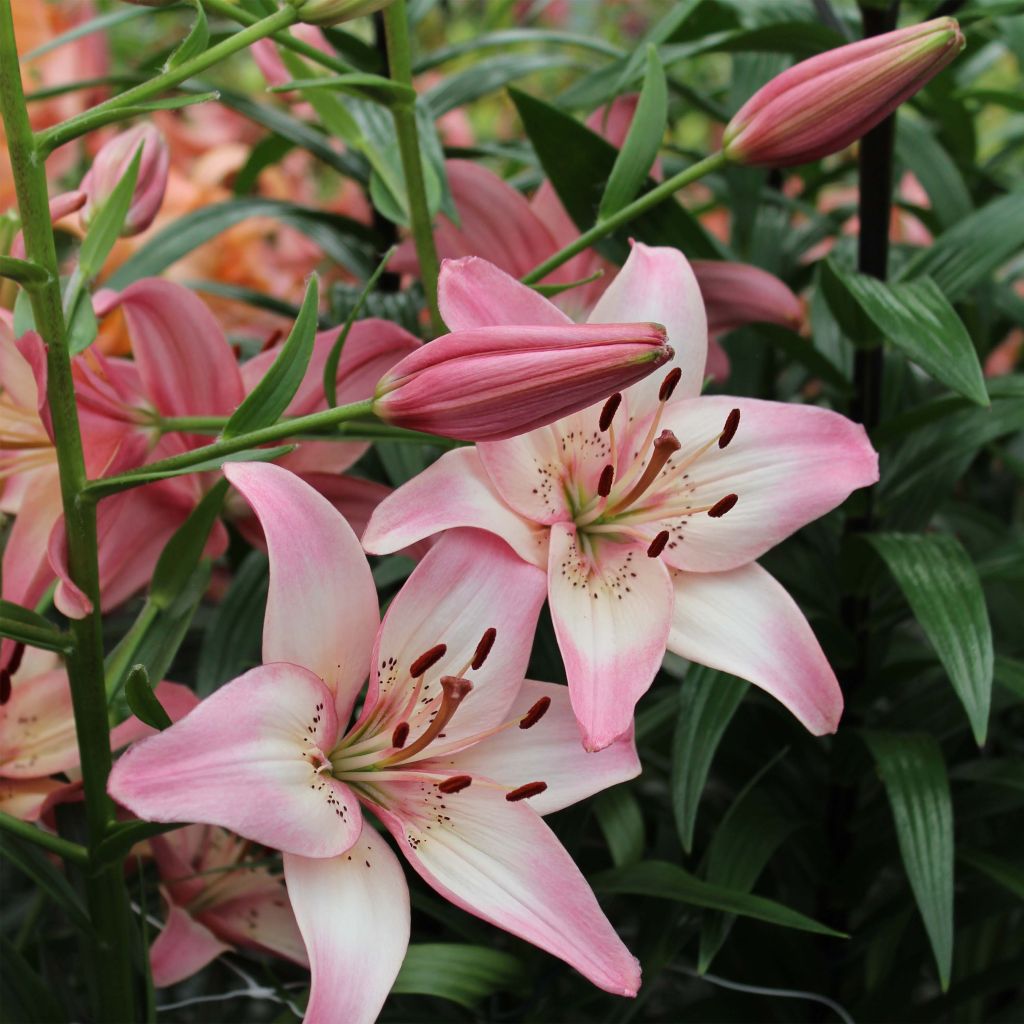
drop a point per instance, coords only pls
(535, 714)
(732, 422)
(455, 784)
(668, 385)
(722, 506)
(427, 659)
(609, 410)
(484, 647)
(6, 687)
(455, 689)
(400, 735)
(666, 444)
(604, 485)
(525, 792)
(658, 544)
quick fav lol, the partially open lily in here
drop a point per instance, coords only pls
(453, 752)
(647, 511)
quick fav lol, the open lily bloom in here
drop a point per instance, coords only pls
(216, 900)
(452, 750)
(647, 512)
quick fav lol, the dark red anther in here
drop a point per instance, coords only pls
(14, 661)
(668, 385)
(427, 659)
(525, 792)
(604, 485)
(535, 714)
(722, 506)
(658, 544)
(400, 735)
(483, 648)
(732, 421)
(5, 686)
(609, 410)
(455, 784)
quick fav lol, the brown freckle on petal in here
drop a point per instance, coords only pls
(427, 659)
(609, 410)
(658, 544)
(722, 506)
(604, 485)
(400, 735)
(484, 647)
(535, 714)
(455, 784)
(732, 422)
(668, 385)
(525, 792)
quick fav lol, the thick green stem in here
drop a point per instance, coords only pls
(396, 27)
(634, 209)
(105, 890)
(99, 115)
(74, 852)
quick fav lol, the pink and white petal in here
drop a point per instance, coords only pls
(500, 861)
(260, 917)
(353, 912)
(549, 752)
(26, 569)
(246, 758)
(182, 948)
(611, 606)
(743, 622)
(322, 606)
(467, 583)
(475, 293)
(37, 727)
(658, 285)
(27, 799)
(789, 464)
(454, 491)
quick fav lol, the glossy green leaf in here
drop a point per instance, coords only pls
(266, 403)
(460, 973)
(640, 149)
(914, 775)
(668, 882)
(142, 701)
(106, 226)
(918, 319)
(622, 822)
(942, 588)
(194, 43)
(919, 149)
(707, 701)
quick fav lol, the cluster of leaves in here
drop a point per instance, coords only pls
(757, 873)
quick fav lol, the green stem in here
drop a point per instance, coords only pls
(105, 890)
(639, 205)
(396, 28)
(35, 636)
(62, 847)
(103, 113)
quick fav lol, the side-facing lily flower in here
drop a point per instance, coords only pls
(648, 512)
(216, 899)
(452, 750)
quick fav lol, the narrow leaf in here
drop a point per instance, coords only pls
(194, 43)
(268, 400)
(31, 861)
(106, 227)
(914, 776)
(622, 822)
(143, 701)
(942, 588)
(31, 628)
(461, 973)
(1009, 874)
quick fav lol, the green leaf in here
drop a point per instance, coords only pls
(942, 588)
(1009, 673)
(194, 43)
(917, 147)
(143, 701)
(1009, 874)
(375, 88)
(914, 776)
(578, 162)
(125, 834)
(28, 627)
(970, 251)
(265, 404)
(459, 972)
(24, 995)
(31, 861)
(182, 553)
(106, 227)
(622, 822)
(707, 701)
(668, 882)
(640, 150)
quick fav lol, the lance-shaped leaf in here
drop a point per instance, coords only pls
(942, 588)
(269, 399)
(194, 43)
(914, 775)
(108, 222)
(459, 972)
(636, 158)
(30, 628)
(918, 319)
(622, 822)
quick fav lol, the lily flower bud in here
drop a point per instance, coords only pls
(822, 104)
(111, 165)
(490, 383)
(333, 12)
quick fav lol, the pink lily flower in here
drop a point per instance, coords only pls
(216, 900)
(647, 513)
(454, 753)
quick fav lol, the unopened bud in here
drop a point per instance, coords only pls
(112, 164)
(821, 105)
